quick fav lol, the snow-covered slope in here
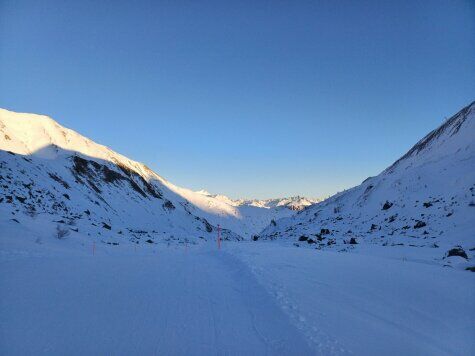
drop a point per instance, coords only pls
(425, 199)
(54, 174)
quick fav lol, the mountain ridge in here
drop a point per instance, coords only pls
(426, 198)
(40, 140)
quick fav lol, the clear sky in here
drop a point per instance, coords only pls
(245, 98)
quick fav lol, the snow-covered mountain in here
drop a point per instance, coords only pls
(296, 203)
(425, 199)
(55, 174)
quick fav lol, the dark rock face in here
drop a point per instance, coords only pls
(353, 241)
(387, 205)
(20, 199)
(168, 205)
(208, 226)
(96, 173)
(255, 238)
(59, 180)
(303, 238)
(324, 231)
(457, 251)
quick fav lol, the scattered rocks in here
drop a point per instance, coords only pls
(106, 226)
(387, 205)
(392, 218)
(419, 224)
(20, 199)
(168, 205)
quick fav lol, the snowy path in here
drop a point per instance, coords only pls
(194, 302)
(247, 299)
(352, 303)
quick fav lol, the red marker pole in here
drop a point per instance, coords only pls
(219, 237)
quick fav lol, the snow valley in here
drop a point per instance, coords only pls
(101, 255)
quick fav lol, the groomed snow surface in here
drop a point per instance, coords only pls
(248, 298)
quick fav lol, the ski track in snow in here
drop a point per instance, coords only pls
(246, 299)
(180, 302)
(351, 303)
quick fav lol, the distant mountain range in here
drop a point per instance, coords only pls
(296, 203)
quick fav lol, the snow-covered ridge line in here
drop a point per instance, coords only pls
(83, 164)
(426, 199)
(438, 136)
(293, 203)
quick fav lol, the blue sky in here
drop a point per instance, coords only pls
(246, 98)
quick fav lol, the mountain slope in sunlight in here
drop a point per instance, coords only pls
(54, 173)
